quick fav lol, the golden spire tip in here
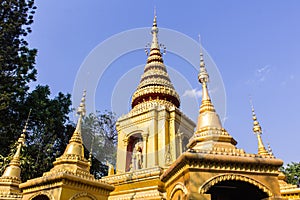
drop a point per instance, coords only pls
(257, 130)
(154, 20)
(81, 112)
(256, 126)
(203, 76)
(81, 109)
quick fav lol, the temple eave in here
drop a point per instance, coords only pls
(58, 177)
(247, 163)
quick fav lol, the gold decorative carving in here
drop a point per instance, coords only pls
(178, 186)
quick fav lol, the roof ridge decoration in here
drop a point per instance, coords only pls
(155, 84)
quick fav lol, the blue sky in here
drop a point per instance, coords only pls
(254, 44)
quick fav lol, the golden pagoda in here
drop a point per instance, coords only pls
(214, 168)
(11, 178)
(152, 135)
(70, 177)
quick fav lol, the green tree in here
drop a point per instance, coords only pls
(99, 134)
(49, 128)
(48, 132)
(17, 69)
(292, 173)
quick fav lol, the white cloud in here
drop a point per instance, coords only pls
(260, 75)
(262, 72)
(193, 93)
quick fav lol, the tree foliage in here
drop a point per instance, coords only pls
(292, 173)
(17, 68)
(49, 128)
(100, 135)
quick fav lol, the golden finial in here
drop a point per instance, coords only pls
(203, 76)
(75, 144)
(81, 109)
(257, 130)
(154, 32)
(81, 112)
(154, 20)
(13, 169)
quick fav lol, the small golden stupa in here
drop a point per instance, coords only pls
(11, 178)
(70, 177)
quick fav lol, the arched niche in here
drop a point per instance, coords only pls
(135, 143)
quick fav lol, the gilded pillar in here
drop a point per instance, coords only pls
(124, 158)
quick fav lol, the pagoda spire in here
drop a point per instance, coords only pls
(207, 107)
(75, 146)
(14, 167)
(155, 84)
(258, 131)
(209, 134)
(11, 178)
(73, 158)
(154, 31)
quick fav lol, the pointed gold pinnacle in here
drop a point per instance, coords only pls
(14, 167)
(81, 112)
(203, 77)
(258, 131)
